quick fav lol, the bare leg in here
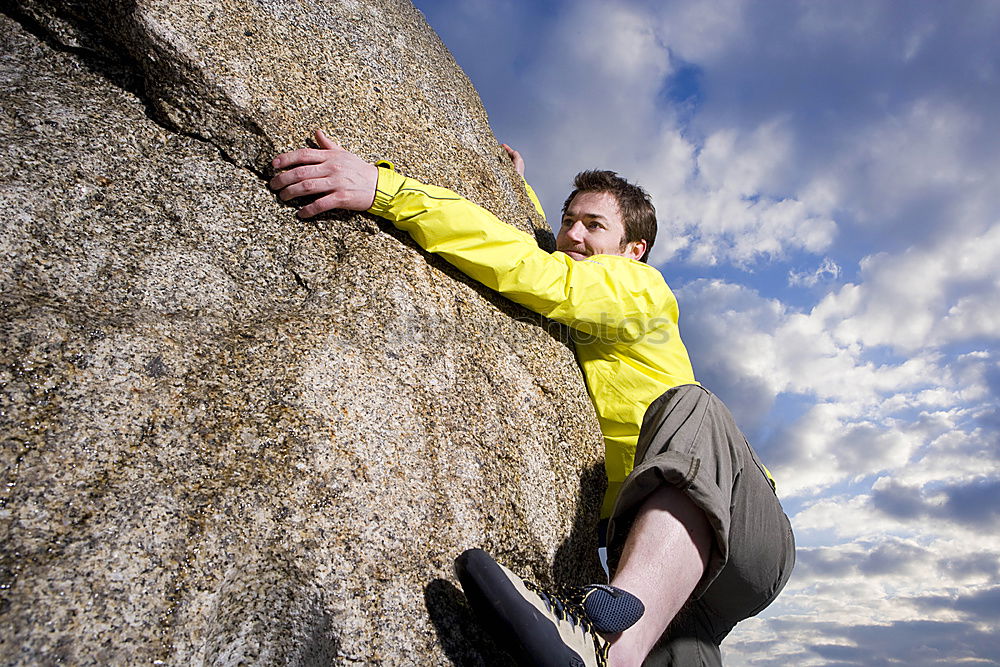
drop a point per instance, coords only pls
(664, 558)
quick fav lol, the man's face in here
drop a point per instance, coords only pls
(592, 225)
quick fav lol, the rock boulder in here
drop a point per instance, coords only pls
(234, 437)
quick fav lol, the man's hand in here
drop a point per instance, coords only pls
(516, 158)
(336, 177)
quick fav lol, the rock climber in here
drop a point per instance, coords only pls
(696, 537)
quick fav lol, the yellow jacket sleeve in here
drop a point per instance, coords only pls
(602, 295)
(534, 199)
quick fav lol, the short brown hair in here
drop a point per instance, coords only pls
(638, 213)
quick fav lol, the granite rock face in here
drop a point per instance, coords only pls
(230, 436)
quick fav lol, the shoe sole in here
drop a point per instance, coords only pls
(519, 627)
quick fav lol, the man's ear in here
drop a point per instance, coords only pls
(635, 249)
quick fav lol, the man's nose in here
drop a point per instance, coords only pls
(575, 231)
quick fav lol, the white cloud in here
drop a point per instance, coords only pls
(700, 31)
(827, 270)
(790, 351)
(972, 316)
(743, 163)
(728, 206)
(921, 297)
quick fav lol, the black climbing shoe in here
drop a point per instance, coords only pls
(538, 627)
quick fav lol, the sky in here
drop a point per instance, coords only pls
(827, 181)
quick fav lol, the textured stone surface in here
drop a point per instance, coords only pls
(229, 436)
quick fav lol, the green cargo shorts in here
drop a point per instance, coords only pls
(690, 441)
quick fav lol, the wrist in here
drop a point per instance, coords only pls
(387, 186)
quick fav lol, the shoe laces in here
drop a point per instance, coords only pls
(568, 606)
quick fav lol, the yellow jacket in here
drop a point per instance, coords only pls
(623, 314)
